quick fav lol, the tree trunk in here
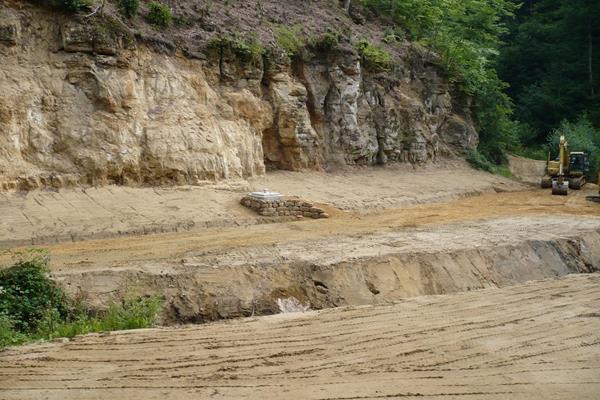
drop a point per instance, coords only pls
(347, 5)
(590, 58)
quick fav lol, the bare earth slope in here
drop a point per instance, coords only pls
(539, 340)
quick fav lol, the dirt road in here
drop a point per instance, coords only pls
(40, 217)
(174, 246)
(539, 340)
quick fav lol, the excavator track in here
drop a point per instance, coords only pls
(577, 183)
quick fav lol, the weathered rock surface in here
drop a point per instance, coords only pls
(85, 102)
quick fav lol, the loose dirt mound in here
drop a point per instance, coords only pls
(535, 341)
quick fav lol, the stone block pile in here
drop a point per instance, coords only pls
(284, 207)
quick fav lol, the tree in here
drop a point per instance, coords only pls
(347, 5)
(466, 34)
(550, 64)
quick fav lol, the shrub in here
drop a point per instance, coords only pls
(74, 5)
(129, 8)
(374, 58)
(28, 293)
(160, 15)
(532, 152)
(290, 40)
(132, 313)
(247, 51)
(327, 42)
(478, 161)
(33, 307)
(393, 34)
(8, 335)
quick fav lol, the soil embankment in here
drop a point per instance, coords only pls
(537, 340)
(494, 239)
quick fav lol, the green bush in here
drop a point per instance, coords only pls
(247, 51)
(374, 58)
(133, 313)
(28, 293)
(327, 42)
(290, 40)
(34, 307)
(393, 34)
(160, 15)
(75, 5)
(478, 161)
(8, 335)
(129, 8)
(532, 152)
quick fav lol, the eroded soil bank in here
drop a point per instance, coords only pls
(351, 270)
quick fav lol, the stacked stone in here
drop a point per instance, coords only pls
(284, 207)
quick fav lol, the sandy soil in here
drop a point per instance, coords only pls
(539, 340)
(491, 240)
(402, 234)
(526, 169)
(532, 214)
(47, 217)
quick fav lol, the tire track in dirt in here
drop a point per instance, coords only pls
(539, 340)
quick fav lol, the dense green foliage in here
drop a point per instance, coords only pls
(325, 43)
(247, 51)
(68, 5)
(478, 161)
(290, 40)
(581, 136)
(129, 8)
(159, 15)
(550, 63)
(466, 34)
(374, 57)
(27, 294)
(34, 307)
(75, 5)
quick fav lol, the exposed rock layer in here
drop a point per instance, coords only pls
(85, 102)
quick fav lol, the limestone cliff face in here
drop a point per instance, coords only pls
(81, 103)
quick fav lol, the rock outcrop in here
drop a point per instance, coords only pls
(87, 102)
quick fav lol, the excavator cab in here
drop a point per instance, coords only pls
(579, 162)
(579, 166)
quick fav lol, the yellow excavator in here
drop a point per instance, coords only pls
(567, 171)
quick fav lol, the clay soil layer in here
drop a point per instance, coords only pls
(539, 340)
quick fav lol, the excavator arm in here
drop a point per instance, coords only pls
(560, 185)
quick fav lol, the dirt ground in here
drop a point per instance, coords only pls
(401, 236)
(525, 214)
(39, 217)
(538, 340)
